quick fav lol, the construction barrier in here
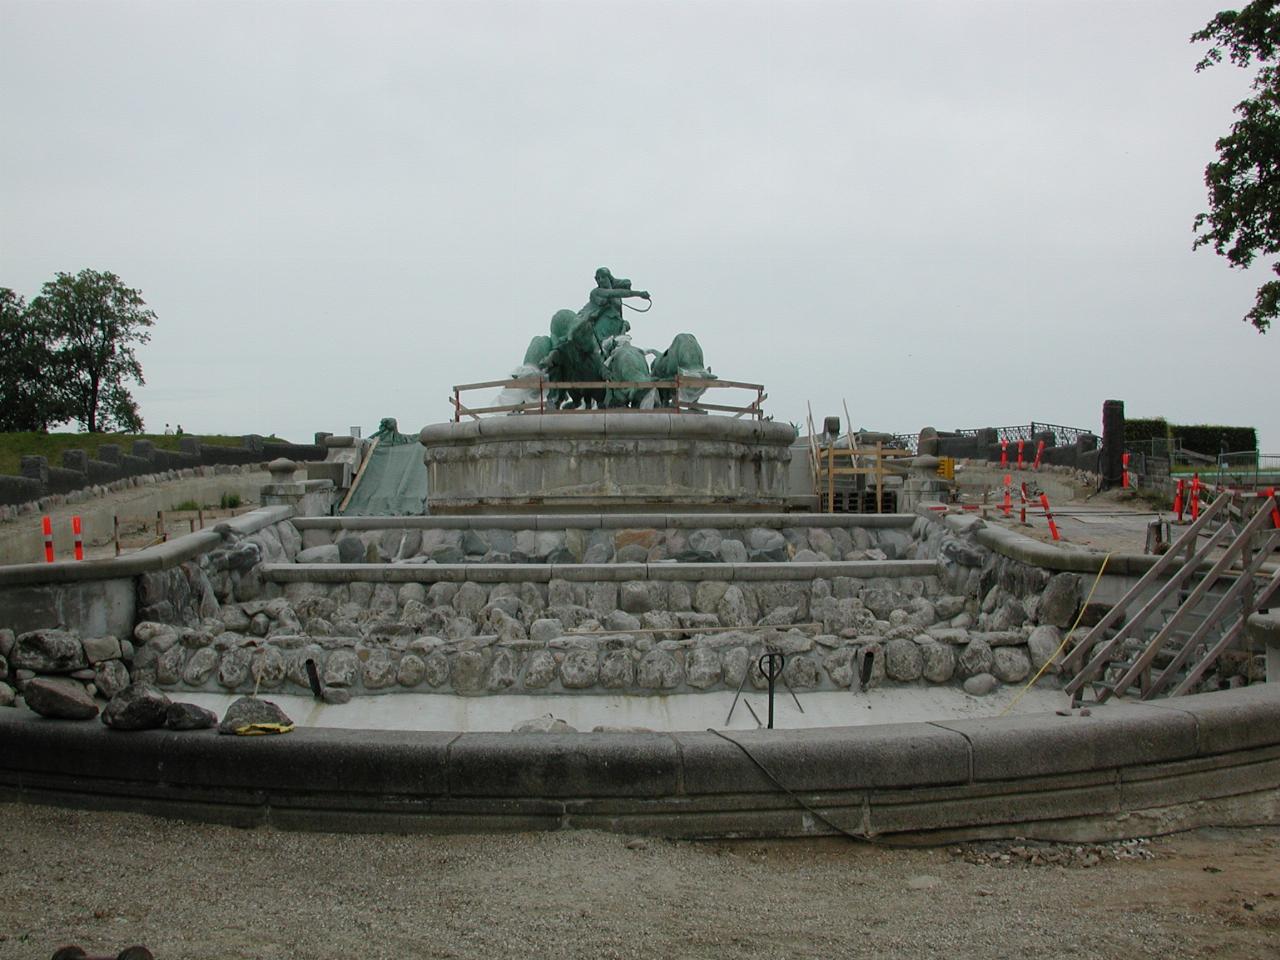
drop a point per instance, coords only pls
(46, 524)
(78, 536)
(1178, 503)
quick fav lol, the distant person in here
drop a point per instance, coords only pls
(178, 431)
(168, 430)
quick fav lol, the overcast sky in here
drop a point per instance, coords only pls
(943, 213)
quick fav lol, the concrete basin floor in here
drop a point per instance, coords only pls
(499, 713)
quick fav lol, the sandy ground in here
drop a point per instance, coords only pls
(106, 880)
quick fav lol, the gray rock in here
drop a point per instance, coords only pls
(98, 649)
(48, 651)
(198, 669)
(938, 662)
(702, 546)
(341, 669)
(732, 609)
(248, 711)
(379, 671)
(548, 628)
(635, 597)
(903, 660)
(411, 670)
(329, 553)
(733, 551)
(467, 669)
(619, 622)
(547, 724)
(708, 594)
(947, 607)
(702, 668)
(170, 663)
(1060, 600)
(7, 695)
(138, 706)
(441, 594)
(839, 666)
(233, 671)
(436, 669)
(977, 658)
(502, 672)
(980, 684)
(111, 676)
(540, 670)
(800, 673)
(59, 699)
(350, 549)
(7, 640)
(808, 556)
(1042, 644)
(470, 600)
(617, 670)
(736, 661)
(658, 670)
(868, 666)
(188, 716)
(579, 670)
(603, 598)
(1010, 664)
(766, 545)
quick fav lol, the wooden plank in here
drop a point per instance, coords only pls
(359, 474)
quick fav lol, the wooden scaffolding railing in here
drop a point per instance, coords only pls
(1158, 649)
(754, 409)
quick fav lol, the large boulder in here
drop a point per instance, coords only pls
(1060, 600)
(59, 699)
(48, 651)
(138, 706)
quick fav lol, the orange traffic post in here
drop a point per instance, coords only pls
(1007, 507)
(1124, 469)
(46, 524)
(1004, 453)
(78, 537)
(1022, 510)
(1177, 498)
(1021, 465)
(1275, 508)
(1195, 496)
(1053, 527)
(1039, 454)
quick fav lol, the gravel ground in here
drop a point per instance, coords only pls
(106, 880)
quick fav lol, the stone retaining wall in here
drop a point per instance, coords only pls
(593, 539)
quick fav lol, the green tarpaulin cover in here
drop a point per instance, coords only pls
(394, 481)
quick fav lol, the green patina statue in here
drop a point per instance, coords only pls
(592, 345)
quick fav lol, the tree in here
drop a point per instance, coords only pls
(1243, 220)
(27, 401)
(94, 322)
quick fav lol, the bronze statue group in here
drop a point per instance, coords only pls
(593, 345)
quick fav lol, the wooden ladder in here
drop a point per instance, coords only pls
(1160, 649)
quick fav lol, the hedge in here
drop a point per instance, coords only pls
(1211, 439)
(1141, 430)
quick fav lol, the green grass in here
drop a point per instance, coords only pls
(14, 446)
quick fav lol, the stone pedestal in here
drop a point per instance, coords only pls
(590, 462)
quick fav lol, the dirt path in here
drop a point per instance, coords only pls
(106, 880)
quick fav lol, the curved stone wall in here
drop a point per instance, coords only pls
(1127, 770)
(585, 461)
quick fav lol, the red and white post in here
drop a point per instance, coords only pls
(1053, 527)
(46, 524)
(1195, 497)
(1021, 465)
(1004, 453)
(1007, 506)
(1124, 470)
(1178, 503)
(77, 534)
(1039, 454)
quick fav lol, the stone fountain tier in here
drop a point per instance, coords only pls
(601, 461)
